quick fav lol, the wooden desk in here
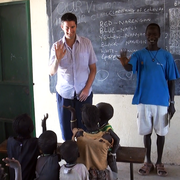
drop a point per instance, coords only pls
(131, 155)
(124, 154)
(3, 147)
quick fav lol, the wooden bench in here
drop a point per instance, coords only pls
(124, 154)
(131, 155)
(3, 147)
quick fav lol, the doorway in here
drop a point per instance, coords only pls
(16, 83)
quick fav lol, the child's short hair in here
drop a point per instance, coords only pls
(92, 114)
(47, 142)
(23, 125)
(69, 151)
(106, 111)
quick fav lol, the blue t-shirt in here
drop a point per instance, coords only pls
(154, 69)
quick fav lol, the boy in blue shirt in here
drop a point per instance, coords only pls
(154, 95)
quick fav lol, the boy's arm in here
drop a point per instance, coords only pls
(76, 132)
(13, 163)
(73, 117)
(116, 141)
(124, 60)
(43, 124)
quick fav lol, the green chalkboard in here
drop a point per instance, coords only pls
(112, 25)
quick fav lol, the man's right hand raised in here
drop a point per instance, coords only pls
(60, 50)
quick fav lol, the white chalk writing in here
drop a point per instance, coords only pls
(174, 39)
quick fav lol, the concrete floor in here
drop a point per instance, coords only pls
(124, 172)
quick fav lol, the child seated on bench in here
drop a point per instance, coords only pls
(23, 147)
(47, 166)
(48, 159)
(106, 112)
(93, 144)
(72, 170)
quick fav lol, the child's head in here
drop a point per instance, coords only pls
(106, 112)
(47, 142)
(69, 151)
(90, 117)
(23, 125)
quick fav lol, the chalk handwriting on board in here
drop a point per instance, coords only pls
(102, 75)
(174, 26)
(112, 25)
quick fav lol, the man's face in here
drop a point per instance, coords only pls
(69, 28)
(152, 35)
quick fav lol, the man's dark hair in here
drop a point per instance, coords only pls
(154, 24)
(23, 125)
(69, 151)
(47, 142)
(69, 17)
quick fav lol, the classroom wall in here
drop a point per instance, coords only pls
(124, 120)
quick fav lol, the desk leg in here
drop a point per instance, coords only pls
(131, 171)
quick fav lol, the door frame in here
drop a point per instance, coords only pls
(5, 121)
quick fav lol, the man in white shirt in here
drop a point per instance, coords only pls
(74, 61)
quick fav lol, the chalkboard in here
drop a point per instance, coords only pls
(112, 25)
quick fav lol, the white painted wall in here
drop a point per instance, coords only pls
(124, 120)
